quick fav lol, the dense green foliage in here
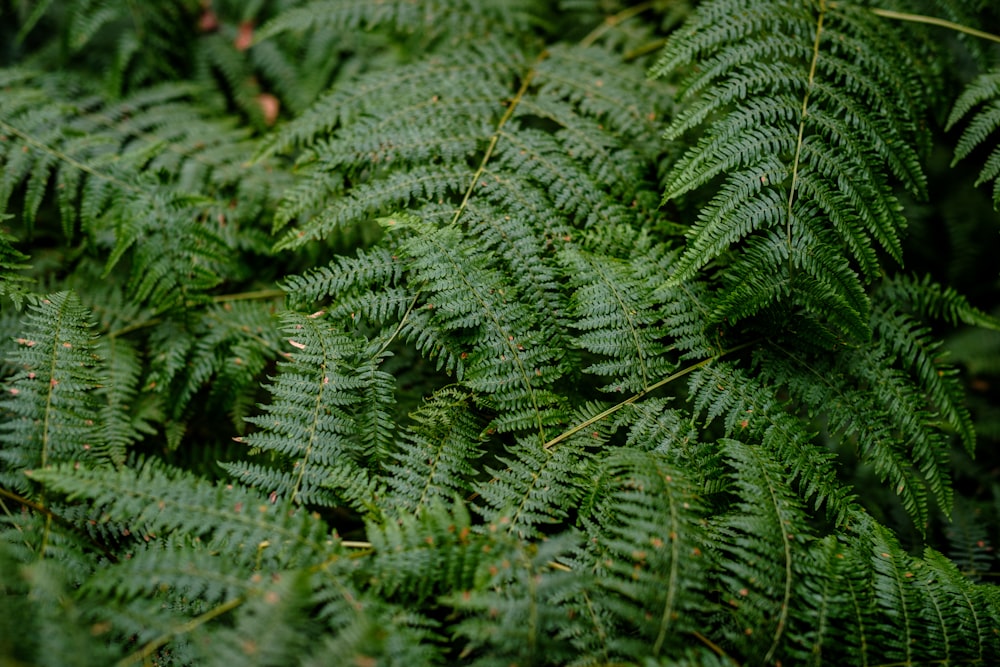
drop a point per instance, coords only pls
(499, 332)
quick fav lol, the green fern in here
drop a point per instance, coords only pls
(798, 158)
(316, 421)
(981, 95)
(357, 331)
(50, 412)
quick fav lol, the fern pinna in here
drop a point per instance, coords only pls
(497, 334)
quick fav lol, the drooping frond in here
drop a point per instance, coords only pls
(801, 129)
(926, 298)
(752, 409)
(761, 540)
(885, 416)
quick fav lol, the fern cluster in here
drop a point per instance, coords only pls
(488, 333)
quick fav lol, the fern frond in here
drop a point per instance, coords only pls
(970, 547)
(434, 459)
(650, 542)
(309, 427)
(897, 596)
(923, 357)
(344, 276)
(156, 501)
(400, 568)
(752, 409)
(122, 423)
(832, 613)
(404, 95)
(538, 488)
(51, 414)
(884, 414)
(761, 539)
(511, 363)
(929, 299)
(272, 625)
(521, 591)
(13, 285)
(219, 354)
(797, 125)
(959, 609)
(456, 18)
(40, 620)
(612, 305)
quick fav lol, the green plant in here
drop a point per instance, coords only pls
(442, 333)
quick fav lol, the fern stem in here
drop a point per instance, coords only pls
(715, 648)
(632, 399)
(508, 114)
(640, 51)
(181, 629)
(402, 321)
(7, 127)
(932, 20)
(261, 294)
(613, 20)
(802, 128)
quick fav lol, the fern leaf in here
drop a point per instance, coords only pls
(156, 501)
(759, 587)
(310, 425)
(612, 305)
(510, 362)
(653, 549)
(753, 411)
(468, 17)
(400, 567)
(13, 285)
(51, 413)
(796, 125)
(434, 460)
(521, 590)
(537, 488)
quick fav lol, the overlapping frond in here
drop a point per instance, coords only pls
(751, 408)
(614, 306)
(155, 502)
(436, 456)
(761, 540)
